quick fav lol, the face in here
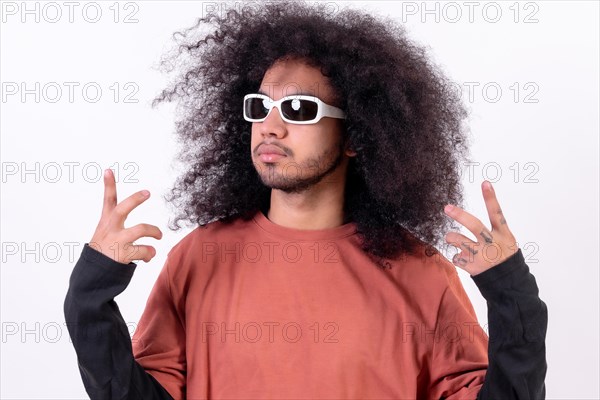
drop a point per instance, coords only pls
(313, 153)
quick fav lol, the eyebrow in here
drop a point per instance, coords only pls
(294, 94)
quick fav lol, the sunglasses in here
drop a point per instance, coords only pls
(296, 109)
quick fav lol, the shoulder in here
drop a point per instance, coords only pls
(425, 263)
(444, 274)
(436, 277)
(427, 274)
(205, 242)
(214, 231)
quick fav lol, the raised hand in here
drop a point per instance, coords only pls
(111, 238)
(492, 247)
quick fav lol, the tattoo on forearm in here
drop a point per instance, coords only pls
(487, 236)
(472, 251)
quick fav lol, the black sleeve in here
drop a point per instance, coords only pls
(99, 333)
(517, 321)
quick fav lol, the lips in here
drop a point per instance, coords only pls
(270, 149)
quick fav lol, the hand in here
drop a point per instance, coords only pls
(111, 238)
(491, 248)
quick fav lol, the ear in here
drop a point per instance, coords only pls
(348, 148)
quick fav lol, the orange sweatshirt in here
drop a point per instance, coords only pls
(253, 309)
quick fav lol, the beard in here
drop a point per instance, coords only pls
(297, 178)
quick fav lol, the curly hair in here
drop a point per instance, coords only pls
(404, 121)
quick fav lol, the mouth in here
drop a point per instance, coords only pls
(270, 157)
(270, 153)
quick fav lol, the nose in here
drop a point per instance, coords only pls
(273, 124)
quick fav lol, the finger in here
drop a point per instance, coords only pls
(460, 261)
(139, 252)
(469, 221)
(468, 247)
(486, 235)
(493, 206)
(143, 230)
(110, 193)
(122, 210)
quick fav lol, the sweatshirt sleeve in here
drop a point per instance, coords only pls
(459, 359)
(511, 363)
(99, 333)
(517, 320)
(159, 341)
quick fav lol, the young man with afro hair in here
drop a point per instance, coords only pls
(324, 153)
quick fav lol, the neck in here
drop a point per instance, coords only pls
(320, 207)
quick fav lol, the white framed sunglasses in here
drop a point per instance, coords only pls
(295, 109)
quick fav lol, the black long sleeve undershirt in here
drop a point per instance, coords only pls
(99, 333)
(517, 321)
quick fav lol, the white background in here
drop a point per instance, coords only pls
(551, 205)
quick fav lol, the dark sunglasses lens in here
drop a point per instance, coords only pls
(254, 108)
(299, 110)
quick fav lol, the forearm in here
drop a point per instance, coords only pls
(99, 333)
(517, 321)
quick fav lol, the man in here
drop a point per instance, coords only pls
(311, 273)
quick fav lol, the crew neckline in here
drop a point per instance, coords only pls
(285, 232)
